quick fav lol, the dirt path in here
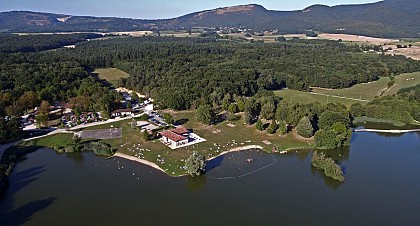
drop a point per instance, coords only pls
(348, 98)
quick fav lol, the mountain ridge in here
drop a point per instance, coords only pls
(388, 18)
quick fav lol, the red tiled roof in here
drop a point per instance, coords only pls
(180, 130)
(172, 136)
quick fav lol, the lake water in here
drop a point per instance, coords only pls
(382, 187)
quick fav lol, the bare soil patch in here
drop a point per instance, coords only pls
(411, 52)
(266, 142)
(356, 38)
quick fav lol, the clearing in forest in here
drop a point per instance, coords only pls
(364, 91)
(111, 75)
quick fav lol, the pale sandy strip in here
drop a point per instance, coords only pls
(145, 162)
(244, 148)
(387, 131)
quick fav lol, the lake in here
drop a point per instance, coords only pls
(382, 187)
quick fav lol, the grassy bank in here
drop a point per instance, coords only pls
(221, 137)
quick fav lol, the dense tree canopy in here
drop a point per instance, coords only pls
(182, 73)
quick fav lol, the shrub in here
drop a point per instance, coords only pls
(327, 164)
(259, 125)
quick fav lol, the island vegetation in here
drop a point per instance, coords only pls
(328, 166)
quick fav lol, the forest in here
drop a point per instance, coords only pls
(10, 43)
(181, 73)
(185, 73)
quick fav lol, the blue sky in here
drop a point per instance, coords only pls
(153, 9)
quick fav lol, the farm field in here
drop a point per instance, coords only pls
(356, 38)
(111, 75)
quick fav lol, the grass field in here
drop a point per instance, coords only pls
(306, 97)
(404, 81)
(62, 139)
(111, 75)
(365, 91)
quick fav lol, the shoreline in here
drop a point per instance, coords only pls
(155, 166)
(237, 149)
(387, 131)
(135, 159)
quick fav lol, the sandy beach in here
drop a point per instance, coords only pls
(132, 158)
(244, 148)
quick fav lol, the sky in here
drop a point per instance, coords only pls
(153, 9)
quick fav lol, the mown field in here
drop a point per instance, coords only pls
(404, 81)
(111, 75)
(306, 97)
(365, 92)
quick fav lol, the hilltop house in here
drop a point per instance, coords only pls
(176, 137)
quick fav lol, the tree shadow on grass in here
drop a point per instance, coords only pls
(180, 122)
(218, 119)
(103, 81)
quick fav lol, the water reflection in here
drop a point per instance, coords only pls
(331, 183)
(76, 157)
(196, 183)
(23, 213)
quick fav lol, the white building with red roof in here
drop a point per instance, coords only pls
(175, 137)
(179, 137)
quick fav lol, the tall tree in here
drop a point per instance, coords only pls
(205, 114)
(304, 127)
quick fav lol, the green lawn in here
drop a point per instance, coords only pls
(111, 75)
(404, 81)
(61, 139)
(365, 91)
(306, 97)
(368, 91)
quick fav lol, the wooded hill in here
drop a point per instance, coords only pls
(181, 73)
(389, 18)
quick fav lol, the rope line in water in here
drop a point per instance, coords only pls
(246, 174)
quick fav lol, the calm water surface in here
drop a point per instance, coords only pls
(382, 187)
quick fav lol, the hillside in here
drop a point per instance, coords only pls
(389, 18)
